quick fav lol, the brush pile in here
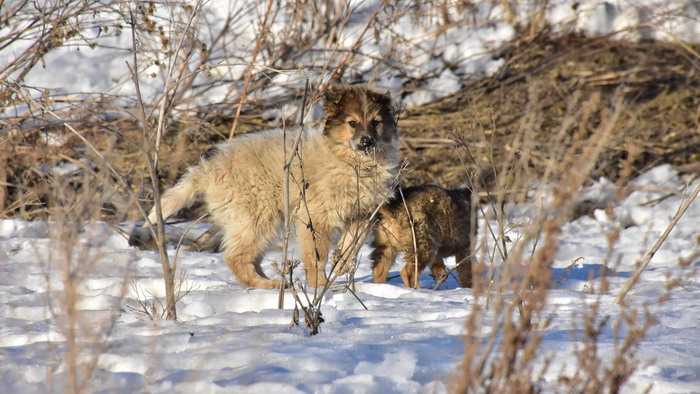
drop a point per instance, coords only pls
(543, 81)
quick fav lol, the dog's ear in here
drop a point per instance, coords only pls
(383, 100)
(332, 98)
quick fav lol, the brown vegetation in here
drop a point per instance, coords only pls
(660, 83)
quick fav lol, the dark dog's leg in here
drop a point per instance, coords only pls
(464, 269)
(408, 272)
(383, 253)
(382, 258)
(438, 269)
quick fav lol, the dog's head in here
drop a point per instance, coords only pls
(361, 120)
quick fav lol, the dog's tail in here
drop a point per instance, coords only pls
(181, 195)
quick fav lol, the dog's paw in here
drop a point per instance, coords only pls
(141, 238)
(211, 241)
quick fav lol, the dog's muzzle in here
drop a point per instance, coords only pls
(366, 143)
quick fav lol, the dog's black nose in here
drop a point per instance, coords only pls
(366, 142)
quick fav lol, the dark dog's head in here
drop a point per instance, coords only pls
(362, 120)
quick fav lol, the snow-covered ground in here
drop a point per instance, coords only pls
(232, 339)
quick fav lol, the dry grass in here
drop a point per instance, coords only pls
(511, 310)
(73, 261)
(660, 82)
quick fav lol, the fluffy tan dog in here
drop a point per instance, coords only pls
(348, 169)
(441, 225)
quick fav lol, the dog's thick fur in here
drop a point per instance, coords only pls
(347, 170)
(441, 225)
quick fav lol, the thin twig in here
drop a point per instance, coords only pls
(649, 254)
(413, 236)
(249, 68)
(285, 192)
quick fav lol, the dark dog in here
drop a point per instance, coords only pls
(441, 226)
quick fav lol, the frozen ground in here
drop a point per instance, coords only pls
(232, 339)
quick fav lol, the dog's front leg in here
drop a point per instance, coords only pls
(345, 255)
(314, 242)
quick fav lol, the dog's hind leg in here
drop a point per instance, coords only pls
(243, 252)
(464, 268)
(246, 268)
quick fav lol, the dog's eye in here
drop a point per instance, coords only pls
(375, 123)
(352, 124)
